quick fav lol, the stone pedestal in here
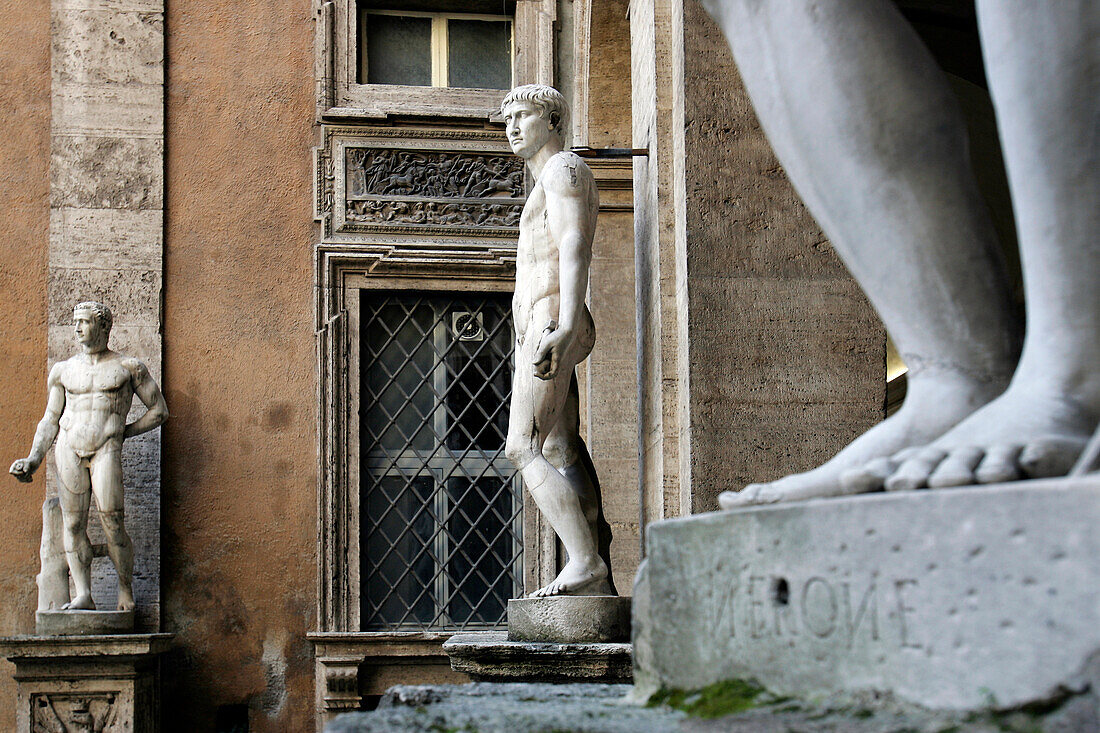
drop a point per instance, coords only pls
(957, 599)
(108, 683)
(490, 656)
(569, 619)
(83, 623)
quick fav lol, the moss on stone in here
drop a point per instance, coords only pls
(714, 701)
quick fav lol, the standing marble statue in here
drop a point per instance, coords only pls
(554, 332)
(864, 123)
(89, 396)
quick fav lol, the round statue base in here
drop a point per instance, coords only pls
(83, 623)
(569, 619)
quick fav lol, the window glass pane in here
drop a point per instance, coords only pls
(397, 394)
(483, 562)
(398, 564)
(398, 50)
(479, 53)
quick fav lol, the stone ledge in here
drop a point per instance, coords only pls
(71, 647)
(488, 655)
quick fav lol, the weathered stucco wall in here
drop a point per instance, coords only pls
(787, 357)
(239, 497)
(24, 234)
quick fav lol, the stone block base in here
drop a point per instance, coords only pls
(83, 623)
(102, 683)
(490, 656)
(953, 599)
(569, 619)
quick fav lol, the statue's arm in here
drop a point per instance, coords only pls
(148, 391)
(570, 225)
(571, 222)
(46, 432)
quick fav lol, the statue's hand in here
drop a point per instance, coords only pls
(23, 469)
(552, 345)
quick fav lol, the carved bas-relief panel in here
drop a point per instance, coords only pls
(51, 713)
(441, 183)
(432, 188)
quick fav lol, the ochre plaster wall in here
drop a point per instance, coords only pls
(239, 482)
(24, 235)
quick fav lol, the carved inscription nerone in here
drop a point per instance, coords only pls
(770, 607)
(392, 186)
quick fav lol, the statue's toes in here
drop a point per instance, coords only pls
(1050, 457)
(914, 471)
(957, 469)
(869, 477)
(745, 497)
(1001, 464)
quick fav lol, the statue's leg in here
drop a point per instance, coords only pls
(107, 487)
(75, 496)
(1043, 64)
(566, 451)
(536, 408)
(873, 140)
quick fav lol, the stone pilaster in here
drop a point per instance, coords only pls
(106, 227)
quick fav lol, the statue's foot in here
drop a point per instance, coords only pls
(1028, 432)
(933, 405)
(80, 603)
(125, 599)
(577, 579)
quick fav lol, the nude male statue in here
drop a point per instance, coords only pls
(870, 134)
(89, 397)
(555, 332)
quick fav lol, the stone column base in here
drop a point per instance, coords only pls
(104, 683)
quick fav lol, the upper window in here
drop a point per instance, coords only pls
(433, 46)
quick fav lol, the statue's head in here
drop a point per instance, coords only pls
(92, 322)
(533, 114)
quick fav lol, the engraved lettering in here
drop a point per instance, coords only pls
(819, 630)
(899, 586)
(758, 625)
(868, 605)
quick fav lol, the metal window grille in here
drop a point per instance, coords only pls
(440, 505)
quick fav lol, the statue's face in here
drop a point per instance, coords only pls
(86, 326)
(528, 131)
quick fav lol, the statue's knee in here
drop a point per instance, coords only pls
(75, 523)
(518, 451)
(114, 524)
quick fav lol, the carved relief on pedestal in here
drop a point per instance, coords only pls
(81, 713)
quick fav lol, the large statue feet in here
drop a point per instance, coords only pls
(578, 579)
(934, 404)
(1028, 432)
(80, 603)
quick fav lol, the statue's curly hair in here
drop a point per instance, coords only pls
(548, 100)
(102, 313)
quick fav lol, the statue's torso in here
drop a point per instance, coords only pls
(97, 398)
(538, 267)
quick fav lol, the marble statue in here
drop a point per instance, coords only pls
(864, 123)
(89, 396)
(555, 332)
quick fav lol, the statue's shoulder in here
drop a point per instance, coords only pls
(567, 172)
(135, 367)
(57, 371)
